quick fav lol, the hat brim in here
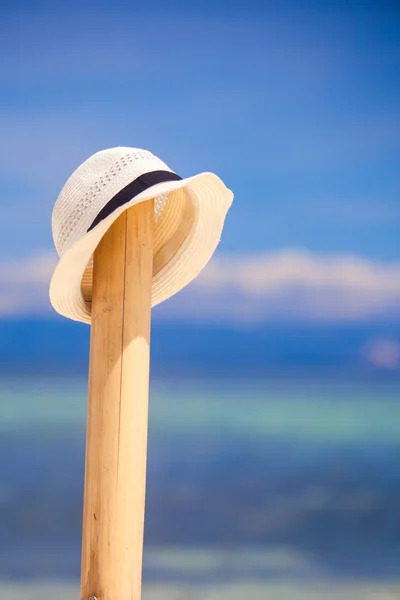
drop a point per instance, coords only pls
(211, 201)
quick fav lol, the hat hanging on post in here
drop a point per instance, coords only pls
(189, 217)
(130, 233)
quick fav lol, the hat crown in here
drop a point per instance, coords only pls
(92, 185)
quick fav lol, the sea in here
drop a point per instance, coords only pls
(273, 489)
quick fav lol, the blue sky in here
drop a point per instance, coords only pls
(296, 105)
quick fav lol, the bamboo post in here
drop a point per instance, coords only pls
(115, 473)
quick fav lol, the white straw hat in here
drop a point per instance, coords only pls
(109, 182)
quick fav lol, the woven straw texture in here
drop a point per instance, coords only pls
(186, 234)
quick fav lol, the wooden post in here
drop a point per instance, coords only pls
(116, 445)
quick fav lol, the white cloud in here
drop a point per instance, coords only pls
(384, 353)
(274, 271)
(287, 285)
(291, 285)
(24, 285)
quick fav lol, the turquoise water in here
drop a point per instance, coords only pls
(288, 488)
(325, 412)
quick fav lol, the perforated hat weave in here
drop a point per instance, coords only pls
(189, 218)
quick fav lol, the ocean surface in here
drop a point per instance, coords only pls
(256, 489)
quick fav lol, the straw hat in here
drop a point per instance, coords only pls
(189, 217)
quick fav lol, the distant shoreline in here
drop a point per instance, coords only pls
(233, 591)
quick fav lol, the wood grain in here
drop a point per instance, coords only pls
(116, 445)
